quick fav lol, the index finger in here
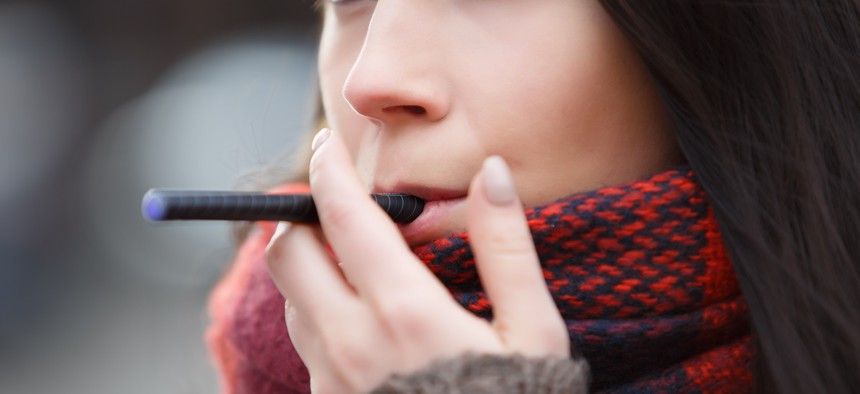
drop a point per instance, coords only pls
(372, 251)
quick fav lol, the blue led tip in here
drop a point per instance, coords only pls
(153, 207)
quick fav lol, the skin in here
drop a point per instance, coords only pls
(571, 109)
(378, 310)
(419, 94)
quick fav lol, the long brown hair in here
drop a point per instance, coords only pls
(764, 96)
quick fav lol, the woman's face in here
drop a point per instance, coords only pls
(424, 90)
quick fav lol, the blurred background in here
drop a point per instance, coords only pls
(101, 100)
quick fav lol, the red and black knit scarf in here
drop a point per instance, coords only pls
(643, 280)
(639, 272)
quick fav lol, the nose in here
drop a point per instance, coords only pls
(398, 76)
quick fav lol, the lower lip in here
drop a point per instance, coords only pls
(427, 226)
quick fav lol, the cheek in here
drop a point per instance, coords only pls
(553, 64)
(549, 95)
(338, 52)
(570, 111)
(335, 60)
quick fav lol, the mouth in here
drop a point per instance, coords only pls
(439, 217)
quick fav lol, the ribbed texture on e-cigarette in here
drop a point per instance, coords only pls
(402, 208)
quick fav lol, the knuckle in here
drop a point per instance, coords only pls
(404, 319)
(555, 334)
(328, 383)
(351, 361)
(397, 310)
(542, 337)
(503, 241)
(348, 355)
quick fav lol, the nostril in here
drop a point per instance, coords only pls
(412, 109)
(415, 109)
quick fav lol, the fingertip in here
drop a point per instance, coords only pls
(282, 228)
(492, 193)
(321, 137)
(498, 183)
(331, 163)
(327, 141)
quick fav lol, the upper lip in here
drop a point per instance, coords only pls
(425, 193)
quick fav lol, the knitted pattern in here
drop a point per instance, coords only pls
(638, 271)
(642, 278)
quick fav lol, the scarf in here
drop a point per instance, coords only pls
(639, 272)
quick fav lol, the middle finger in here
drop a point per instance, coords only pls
(307, 276)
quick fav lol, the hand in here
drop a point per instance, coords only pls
(380, 311)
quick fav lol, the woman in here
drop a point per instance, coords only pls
(690, 175)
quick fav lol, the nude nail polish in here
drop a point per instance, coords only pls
(320, 138)
(498, 182)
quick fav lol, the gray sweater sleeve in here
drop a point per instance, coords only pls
(497, 374)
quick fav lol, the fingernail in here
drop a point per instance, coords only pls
(498, 182)
(282, 228)
(320, 138)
